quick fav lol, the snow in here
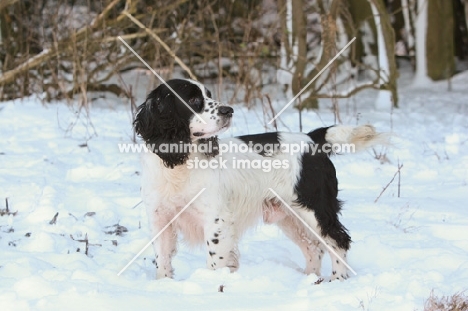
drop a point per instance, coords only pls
(403, 247)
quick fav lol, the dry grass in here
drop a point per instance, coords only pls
(456, 302)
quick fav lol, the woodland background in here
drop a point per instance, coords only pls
(69, 49)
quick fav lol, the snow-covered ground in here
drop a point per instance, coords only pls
(403, 247)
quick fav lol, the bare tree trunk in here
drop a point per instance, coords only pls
(466, 12)
(421, 78)
(388, 97)
(408, 22)
(299, 37)
(284, 74)
(361, 13)
(327, 47)
(329, 30)
(440, 61)
(460, 29)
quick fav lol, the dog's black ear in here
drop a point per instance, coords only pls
(163, 130)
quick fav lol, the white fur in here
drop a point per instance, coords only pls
(362, 137)
(235, 197)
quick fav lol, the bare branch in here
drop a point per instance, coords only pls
(393, 178)
(54, 219)
(6, 3)
(160, 41)
(39, 59)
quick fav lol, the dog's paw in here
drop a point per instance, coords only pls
(340, 277)
(163, 274)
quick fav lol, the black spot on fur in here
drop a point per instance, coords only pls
(212, 253)
(269, 141)
(216, 235)
(216, 220)
(215, 241)
(221, 257)
(211, 147)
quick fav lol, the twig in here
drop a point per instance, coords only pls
(54, 219)
(86, 241)
(220, 54)
(118, 230)
(399, 177)
(125, 37)
(160, 41)
(6, 211)
(46, 54)
(6, 3)
(272, 110)
(137, 204)
(133, 109)
(381, 155)
(393, 178)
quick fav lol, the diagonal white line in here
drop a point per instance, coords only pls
(160, 78)
(330, 249)
(313, 79)
(162, 230)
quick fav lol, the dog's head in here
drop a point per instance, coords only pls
(166, 119)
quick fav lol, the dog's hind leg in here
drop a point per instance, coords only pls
(339, 269)
(309, 246)
(337, 239)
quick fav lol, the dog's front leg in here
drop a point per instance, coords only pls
(165, 246)
(221, 243)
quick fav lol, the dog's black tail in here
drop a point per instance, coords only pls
(344, 138)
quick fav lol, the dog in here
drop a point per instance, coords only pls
(236, 197)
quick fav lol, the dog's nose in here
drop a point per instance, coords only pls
(225, 111)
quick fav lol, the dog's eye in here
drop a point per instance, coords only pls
(196, 102)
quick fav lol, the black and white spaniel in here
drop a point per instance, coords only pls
(237, 194)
